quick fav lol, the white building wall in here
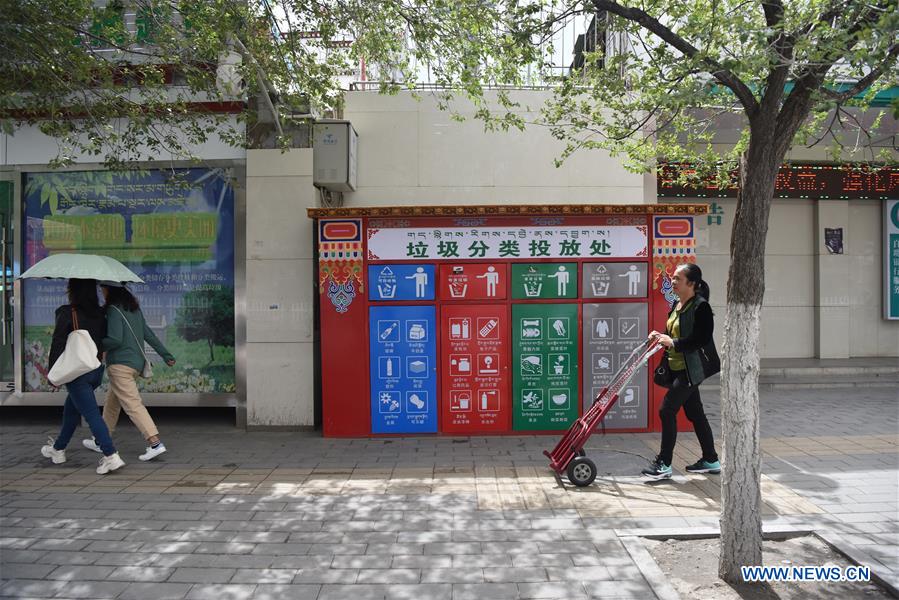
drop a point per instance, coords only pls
(411, 152)
(816, 304)
(280, 289)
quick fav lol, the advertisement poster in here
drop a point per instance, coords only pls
(403, 369)
(173, 228)
(545, 366)
(474, 366)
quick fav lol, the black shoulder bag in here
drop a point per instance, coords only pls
(662, 374)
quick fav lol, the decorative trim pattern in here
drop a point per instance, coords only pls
(340, 261)
(511, 210)
(673, 244)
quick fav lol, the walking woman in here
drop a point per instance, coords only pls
(691, 358)
(82, 312)
(126, 331)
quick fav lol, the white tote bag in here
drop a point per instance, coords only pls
(79, 357)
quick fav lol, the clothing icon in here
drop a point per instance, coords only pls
(421, 281)
(602, 328)
(492, 278)
(562, 277)
(633, 280)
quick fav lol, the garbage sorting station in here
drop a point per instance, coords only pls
(508, 319)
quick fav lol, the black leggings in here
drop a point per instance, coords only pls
(686, 395)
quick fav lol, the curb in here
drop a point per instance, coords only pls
(631, 538)
(649, 568)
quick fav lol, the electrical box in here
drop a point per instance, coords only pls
(334, 155)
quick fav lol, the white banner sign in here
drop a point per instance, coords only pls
(466, 243)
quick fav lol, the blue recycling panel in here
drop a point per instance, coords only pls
(401, 282)
(403, 369)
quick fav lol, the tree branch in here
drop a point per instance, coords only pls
(865, 82)
(725, 76)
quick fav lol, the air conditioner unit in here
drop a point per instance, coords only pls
(334, 155)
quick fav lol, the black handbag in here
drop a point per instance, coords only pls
(711, 363)
(661, 376)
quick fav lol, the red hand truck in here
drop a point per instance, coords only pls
(568, 455)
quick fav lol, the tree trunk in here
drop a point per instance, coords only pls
(211, 351)
(741, 517)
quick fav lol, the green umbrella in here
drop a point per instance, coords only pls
(81, 266)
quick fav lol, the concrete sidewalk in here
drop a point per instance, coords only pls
(230, 514)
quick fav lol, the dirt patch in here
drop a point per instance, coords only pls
(692, 569)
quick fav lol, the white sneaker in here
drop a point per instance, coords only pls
(57, 456)
(110, 463)
(90, 444)
(152, 452)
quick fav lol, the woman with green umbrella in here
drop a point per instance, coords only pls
(82, 312)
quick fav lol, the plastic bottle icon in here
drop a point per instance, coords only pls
(390, 367)
(484, 401)
(465, 329)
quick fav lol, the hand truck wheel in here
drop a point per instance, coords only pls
(581, 471)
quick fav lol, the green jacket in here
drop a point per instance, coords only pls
(121, 347)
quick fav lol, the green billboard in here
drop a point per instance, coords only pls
(545, 366)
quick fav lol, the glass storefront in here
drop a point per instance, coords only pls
(176, 229)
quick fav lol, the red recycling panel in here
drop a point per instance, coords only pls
(474, 281)
(474, 363)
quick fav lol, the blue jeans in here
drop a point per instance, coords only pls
(81, 402)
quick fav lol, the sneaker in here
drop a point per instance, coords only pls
(704, 466)
(110, 463)
(57, 456)
(152, 452)
(91, 444)
(658, 470)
